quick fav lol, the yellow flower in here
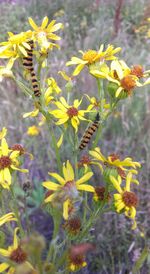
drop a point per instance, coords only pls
(96, 104)
(32, 113)
(126, 79)
(16, 45)
(8, 162)
(7, 218)
(101, 194)
(33, 131)
(14, 256)
(70, 80)
(77, 254)
(65, 76)
(45, 32)
(3, 133)
(125, 200)
(91, 57)
(6, 71)
(52, 88)
(67, 113)
(67, 188)
(113, 161)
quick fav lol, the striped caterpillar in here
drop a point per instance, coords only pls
(28, 64)
(89, 132)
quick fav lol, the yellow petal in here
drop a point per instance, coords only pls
(3, 133)
(57, 177)
(118, 91)
(59, 143)
(7, 218)
(4, 252)
(78, 69)
(134, 225)
(128, 181)
(50, 198)
(32, 23)
(74, 123)
(7, 175)
(50, 185)
(15, 241)
(84, 178)
(117, 197)
(55, 27)
(86, 188)
(19, 169)
(3, 267)
(4, 147)
(62, 121)
(63, 101)
(68, 172)
(44, 22)
(14, 155)
(66, 209)
(33, 113)
(119, 206)
(51, 24)
(116, 184)
(23, 51)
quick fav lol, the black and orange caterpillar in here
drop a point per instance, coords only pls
(89, 132)
(28, 64)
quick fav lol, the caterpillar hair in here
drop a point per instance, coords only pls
(28, 64)
(89, 132)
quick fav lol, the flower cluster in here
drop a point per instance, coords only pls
(75, 194)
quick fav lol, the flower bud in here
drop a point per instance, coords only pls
(112, 88)
(108, 171)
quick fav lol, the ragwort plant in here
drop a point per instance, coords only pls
(72, 198)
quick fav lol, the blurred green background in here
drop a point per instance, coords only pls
(87, 24)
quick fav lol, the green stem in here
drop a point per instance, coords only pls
(76, 154)
(16, 211)
(57, 220)
(39, 72)
(56, 151)
(90, 223)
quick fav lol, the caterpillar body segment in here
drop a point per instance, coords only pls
(89, 132)
(28, 60)
(28, 64)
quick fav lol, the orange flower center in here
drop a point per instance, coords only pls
(128, 82)
(121, 172)
(130, 199)
(69, 184)
(18, 255)
(84, 160)
(138, 71)
(5, 161)
(90, 56)
(72, 112)
(114, 157)
(73, 225)
(100, 191)
(18, 147)
(77, 259)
